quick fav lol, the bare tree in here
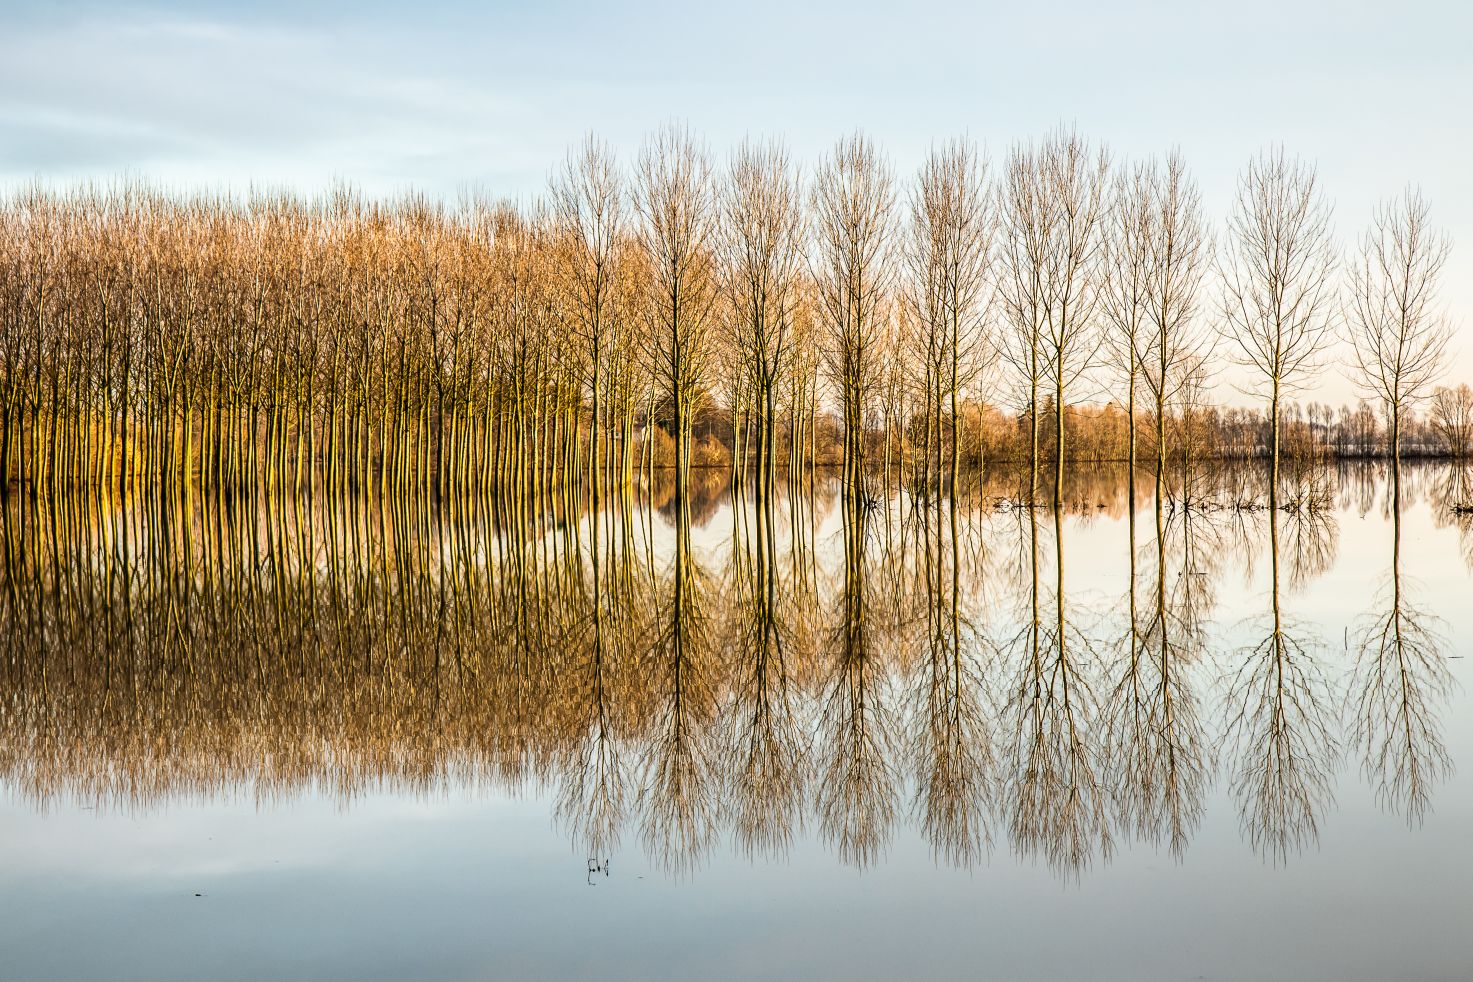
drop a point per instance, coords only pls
(588, 202)
(852, 199)
(1053, 210)
(677, 208)
(1178, 255)
(1396, 328)
(1452, 418)
(1125, 286)
(950, 254)
(1278, 264)
(762, 212)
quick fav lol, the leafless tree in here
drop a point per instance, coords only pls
(853, 195)
(1126, 286)
(1052, 213)
(1278, 265)
(588, 202)
(762, 212)
(949, 254)
(1452, 417)
(678, 218)
(1179, 252)
(1397, 331)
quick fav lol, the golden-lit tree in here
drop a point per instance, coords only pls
(949, 252)
(588, 202)
(762, 223)
(678, 212)
(1052, 247)
(853, 195)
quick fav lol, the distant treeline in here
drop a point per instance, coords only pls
(683, 311)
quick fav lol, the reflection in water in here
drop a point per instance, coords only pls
(952, 746)
(1401, 677)
(1279, 706)
(1157, 748)
(1453, 495)
(856, 795)
(614, 597)
(1056, 798)
(763, 734)
(809, 659)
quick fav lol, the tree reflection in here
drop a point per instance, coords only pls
(1057, 800)
(952, 739)
(1279, 715)
(764, 742)
(678, 793)
(832, 663)
(1454, 496)
(1400, 681)
(1157, 750)
(856, 796)
(613, 608)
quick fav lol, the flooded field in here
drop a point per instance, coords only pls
(811, 736)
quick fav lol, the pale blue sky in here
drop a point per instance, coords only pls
(441, 95)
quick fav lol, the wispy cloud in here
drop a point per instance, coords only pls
(195, 100)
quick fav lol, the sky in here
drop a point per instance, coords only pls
(446, 96)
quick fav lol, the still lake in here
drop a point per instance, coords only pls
(1103, 737)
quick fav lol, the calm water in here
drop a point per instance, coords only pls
(322, 739)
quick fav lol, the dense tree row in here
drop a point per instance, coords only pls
(683, 311)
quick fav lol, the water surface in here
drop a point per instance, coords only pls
(331, 738)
